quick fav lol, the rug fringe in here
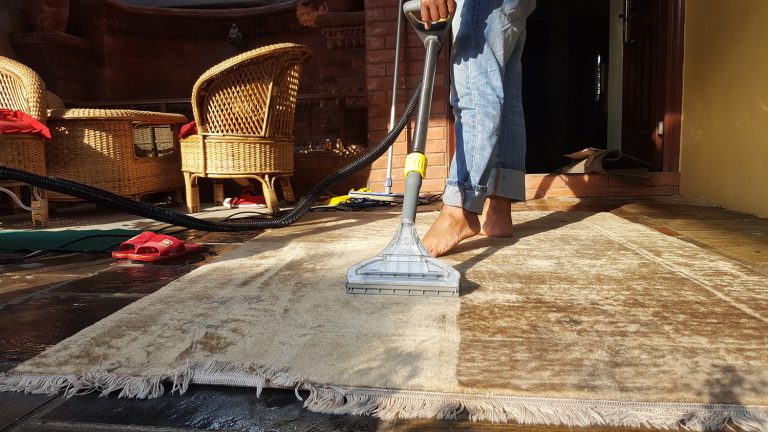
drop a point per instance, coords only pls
(394, 404)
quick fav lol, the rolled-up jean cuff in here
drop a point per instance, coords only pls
(470, 199)
(507, 183)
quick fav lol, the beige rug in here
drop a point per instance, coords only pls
(581, 319)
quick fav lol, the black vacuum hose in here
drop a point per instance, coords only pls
(118, 202)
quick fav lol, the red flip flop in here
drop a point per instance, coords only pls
(129, 246)
(163, 248)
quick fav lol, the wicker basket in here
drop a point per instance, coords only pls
(99, 148)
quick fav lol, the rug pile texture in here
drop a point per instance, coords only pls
(581, 319)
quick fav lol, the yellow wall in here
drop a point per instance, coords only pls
(724, 155)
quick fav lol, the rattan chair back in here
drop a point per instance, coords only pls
(251, 94)
(22, 89)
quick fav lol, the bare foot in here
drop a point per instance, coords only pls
(496, 220)
(452, 226)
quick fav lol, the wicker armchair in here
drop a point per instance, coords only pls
(244, 109)
(22, 89)
(126, 152)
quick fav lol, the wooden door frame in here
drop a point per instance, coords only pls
(672, 18)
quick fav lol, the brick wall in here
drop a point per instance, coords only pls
(381, 26)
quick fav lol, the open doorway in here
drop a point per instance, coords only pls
(565, 76)
(604, 74)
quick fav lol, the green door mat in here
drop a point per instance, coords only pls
(34, 240)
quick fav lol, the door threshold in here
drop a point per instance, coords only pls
(600, 185)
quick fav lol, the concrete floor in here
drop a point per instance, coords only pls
(52, 298)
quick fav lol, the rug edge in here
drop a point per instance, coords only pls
(390, 404)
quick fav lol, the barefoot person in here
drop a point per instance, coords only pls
(488, 170)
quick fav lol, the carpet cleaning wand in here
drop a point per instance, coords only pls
(405, 267)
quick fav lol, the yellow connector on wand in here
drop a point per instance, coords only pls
(416, 162)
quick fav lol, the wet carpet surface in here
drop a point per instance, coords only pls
(577, 305)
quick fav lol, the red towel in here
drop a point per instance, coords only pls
(188, 129)
(19, 122)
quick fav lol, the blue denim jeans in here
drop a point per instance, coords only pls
(486, 81)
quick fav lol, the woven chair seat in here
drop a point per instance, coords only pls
(115, 114)
(226, 154)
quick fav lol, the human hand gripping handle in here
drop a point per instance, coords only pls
(432, 10)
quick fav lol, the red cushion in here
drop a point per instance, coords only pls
(188, 129)
(19, 122)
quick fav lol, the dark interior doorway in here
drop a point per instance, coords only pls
(565, 80)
